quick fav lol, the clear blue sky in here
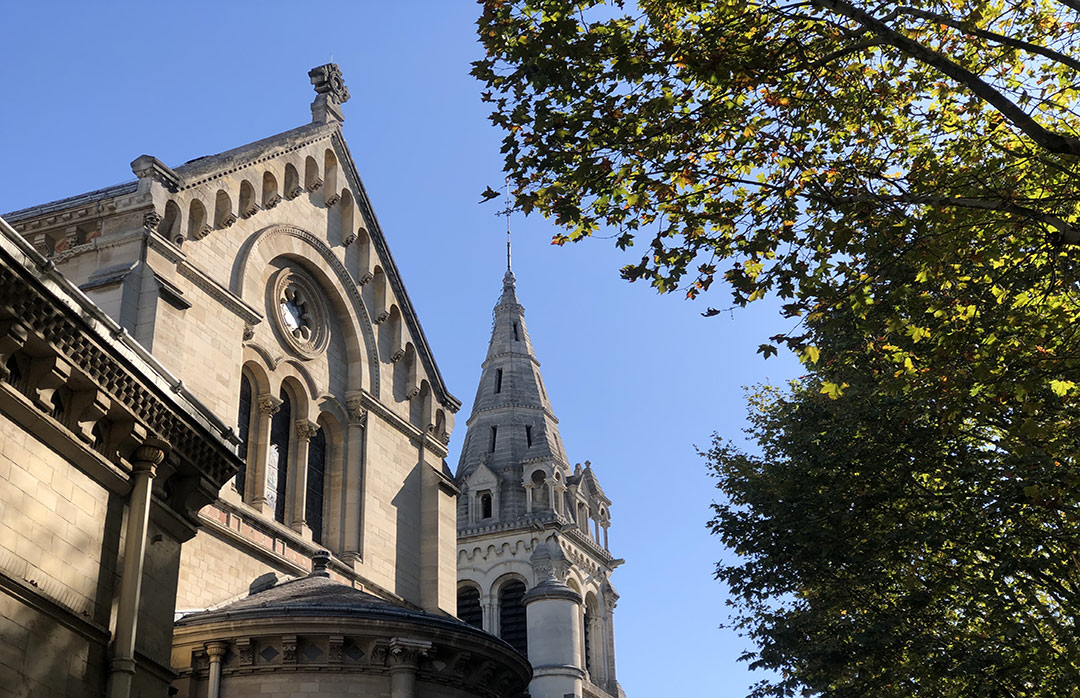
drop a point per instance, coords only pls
(636, 379)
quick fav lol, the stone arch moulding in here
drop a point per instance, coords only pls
(287, 240)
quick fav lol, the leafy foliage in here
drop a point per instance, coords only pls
(884, 556)
(904, 177)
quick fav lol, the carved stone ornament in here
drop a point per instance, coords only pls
(269, 405)
(249, 332)
(288, 649)
(349, 239)
(332, 199)
(228, 220)
(203, 231)
(299, 312)
(306, 430)
(315, 184)
(294, 192)
(328, 81)
(151, 220)
(365, 278)
(357, 413)
(337, 642)
(250, 211)
(245, 651)
(273, 201)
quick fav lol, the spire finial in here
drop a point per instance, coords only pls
(506, 212)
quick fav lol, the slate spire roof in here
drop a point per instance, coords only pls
(512, 419)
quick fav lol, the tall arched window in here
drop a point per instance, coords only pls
(539, 489)
(586, 635)
(468, 606)
(277, 461)
(512, 625)
(316, 477)
(243, 429)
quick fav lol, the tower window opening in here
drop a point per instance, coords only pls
(512, 621)
(485, 505)
(494, 436)
(528, 435)
(468, 607)
(517, 336)
(498, 380)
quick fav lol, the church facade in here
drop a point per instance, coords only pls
(279, 484)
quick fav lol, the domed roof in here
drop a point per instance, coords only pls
(318, 596)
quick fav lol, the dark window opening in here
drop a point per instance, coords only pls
(277, 470)
(498, 380)
(243, 428)
(512, 627)
(588, 640)
(316, 476)
(494, 436)
(517, 337)
(57, 403)
(528, 435)
(468, 607)
(485, 506)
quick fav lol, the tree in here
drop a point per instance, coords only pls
(882, 557)
(905, 178)
(802, 148)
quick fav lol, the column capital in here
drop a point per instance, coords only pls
(306, 429)
(269, 405)
(216, 650)
(406, 653)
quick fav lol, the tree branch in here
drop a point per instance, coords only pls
(1048, 140)
(992, 36)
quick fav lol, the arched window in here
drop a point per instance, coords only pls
(170, 224)
(468, 606)
(586, 636)
(512, 625)
(316, 477)
(223, 216)
(243, 430)
(248, 206)
(197, 225)
(292, 182)
(485, 505)
(270, 196)
(539, 489)
(277, 461)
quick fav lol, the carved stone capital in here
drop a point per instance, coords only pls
(349, 239)
(203, 231)
(306, 430)
(413, 392)
(406, 652)
(357, 413)
(271, 202)
(332, 199)
(228, 220)
(216, 650)
(382, 317)
(316, 184)
(151, 220)
(250, 211)
(249, 332)
(269, 405)
(150, 453)
(294, 192)
(398, 355)
(365, 278)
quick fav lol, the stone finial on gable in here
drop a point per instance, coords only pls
(331, 93)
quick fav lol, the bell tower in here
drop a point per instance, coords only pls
(534, 566)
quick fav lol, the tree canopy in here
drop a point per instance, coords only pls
(905, 177)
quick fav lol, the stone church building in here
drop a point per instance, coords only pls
(218, 407)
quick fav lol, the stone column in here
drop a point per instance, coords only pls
(215, 651)
(528, 485)
(353, 479)
(404, 658)
(553, 618)
(297, 487)
(144, 463)
(268, 407)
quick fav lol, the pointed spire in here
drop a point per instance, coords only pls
(512, 419)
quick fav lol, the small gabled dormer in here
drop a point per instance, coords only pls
(480, 492)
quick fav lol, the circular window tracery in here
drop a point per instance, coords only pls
(299, 312)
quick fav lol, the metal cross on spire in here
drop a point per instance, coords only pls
(506, 212)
